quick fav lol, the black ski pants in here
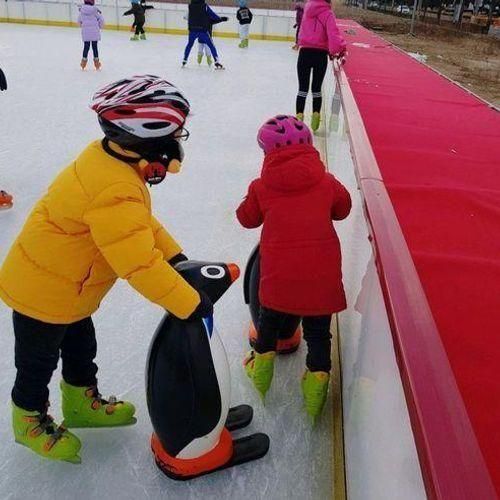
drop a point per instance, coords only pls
(316, 334)
(38, 346)
(313, 61)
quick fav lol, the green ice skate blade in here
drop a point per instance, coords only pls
(73, 460)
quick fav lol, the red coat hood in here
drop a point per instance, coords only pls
(293, 168)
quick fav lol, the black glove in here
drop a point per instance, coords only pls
(180, 257)
(3, 81)
(205, 308)
(224, 19)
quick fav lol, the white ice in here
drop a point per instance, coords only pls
(44, 123)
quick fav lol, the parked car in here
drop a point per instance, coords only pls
(403, 9)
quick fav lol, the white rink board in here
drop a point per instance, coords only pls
(381, 458)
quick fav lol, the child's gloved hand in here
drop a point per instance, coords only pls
(205, 308)
(177, 258)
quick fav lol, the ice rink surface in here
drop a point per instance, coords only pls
(44, 123)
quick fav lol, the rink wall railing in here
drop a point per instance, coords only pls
(450, 458)
(164, 18)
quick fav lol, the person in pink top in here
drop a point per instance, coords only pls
(319, 38)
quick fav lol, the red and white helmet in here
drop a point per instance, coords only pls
(140, 112)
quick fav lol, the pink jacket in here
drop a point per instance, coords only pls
(319, 30)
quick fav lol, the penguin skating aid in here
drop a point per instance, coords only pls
(188, 389)
(290, 336)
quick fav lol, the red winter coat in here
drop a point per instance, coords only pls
(296, 200)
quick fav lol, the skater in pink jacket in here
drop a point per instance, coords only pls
(91, 21)
(319, 38)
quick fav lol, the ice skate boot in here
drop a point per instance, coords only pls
(39, 433)
(97, 64)
(184, 64)
(199, 58)
(218, 65)
(134, 38)
(315, 390)
(245, 43)
(6, 200)
(315, 121)
(241, 44)
(84, 407)
(143, 36)
(83, 63)
(260, 370)
(209, 61)
(300, 116)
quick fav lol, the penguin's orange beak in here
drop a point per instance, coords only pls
(234, 272)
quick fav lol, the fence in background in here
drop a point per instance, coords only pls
(164, 18)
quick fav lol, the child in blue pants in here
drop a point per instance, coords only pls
(200, 19)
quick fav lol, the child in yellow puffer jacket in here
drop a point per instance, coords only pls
(94, 225)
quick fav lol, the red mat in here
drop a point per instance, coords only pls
(438, 149)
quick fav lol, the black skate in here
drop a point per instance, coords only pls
(218, 66)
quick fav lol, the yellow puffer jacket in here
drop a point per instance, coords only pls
(93, 225)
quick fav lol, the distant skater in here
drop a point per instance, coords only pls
(138, 9)
(244, 16)
(200, 19)
(203, 48)
(91, 21)
(319, 38)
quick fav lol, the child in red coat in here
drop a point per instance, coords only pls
(296, 200)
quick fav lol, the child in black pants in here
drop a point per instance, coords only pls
(138, 9)
(37, 349)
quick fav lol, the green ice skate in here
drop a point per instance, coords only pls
(315, 121)
(315, 390)
(134, 38)
(260, 370)
(84, 407)
(200, 58)
(300, 116)
(143, 36)
(39, 433)
(209, 60)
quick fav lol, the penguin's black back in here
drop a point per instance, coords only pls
(183, 394)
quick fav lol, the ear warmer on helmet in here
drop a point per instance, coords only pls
(154, 165)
